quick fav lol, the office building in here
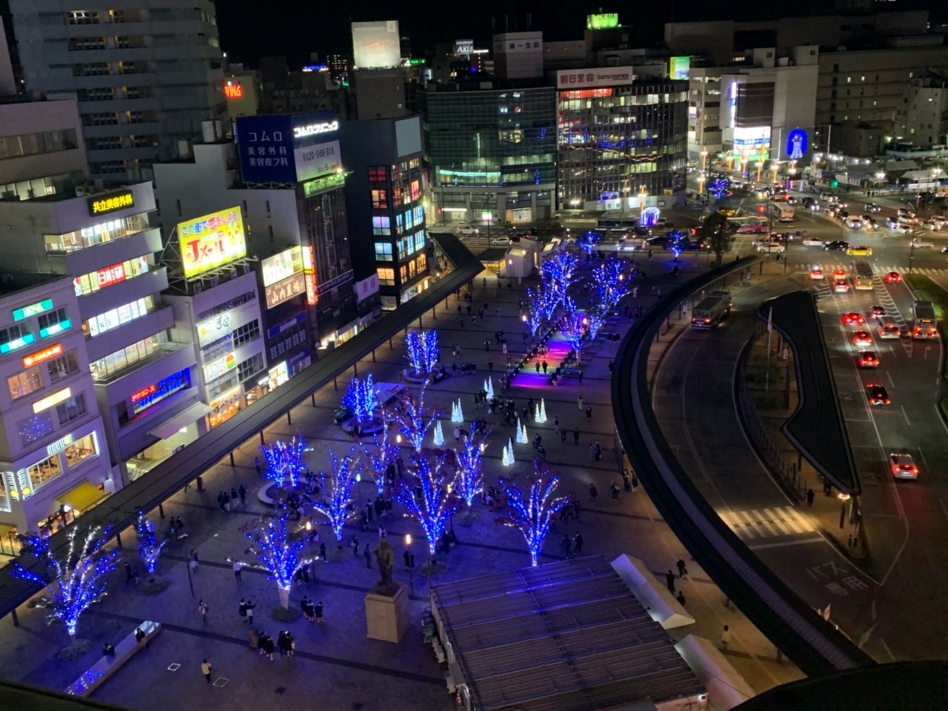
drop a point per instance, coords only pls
(54, 461)
(212, 290)
(384, 197)
(142, 377)
(922, 119)
(491, 152)
(622, 140)
(145, 76)
(518, 55)
(242, 89)
(286, 174)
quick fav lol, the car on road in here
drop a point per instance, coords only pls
(859, 250)
(853, 319)
(873, 207)
(771, 248)
(813, 242)
(888, 328)
(466, 229)
(728, 211)
(903, 465)
(877, 395)
(836, 245)
(752, 229)
(869, 224)
(922, 244)
(867, 359)
(811, 204)
(660, 241)
(862, 338)
(816, 272)
(905, 213)
(853, 223)
(930, 226)
(877, 311)
(892, 278)
(841, 285)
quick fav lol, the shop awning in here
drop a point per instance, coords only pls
(167, 428)
(82, 497)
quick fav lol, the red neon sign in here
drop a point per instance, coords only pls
(42, 355)
(111, 275)
(145, 392)
(233, 91)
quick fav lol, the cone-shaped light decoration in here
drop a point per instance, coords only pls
(438, 435)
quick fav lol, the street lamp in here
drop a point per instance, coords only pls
(704, 158)
(642, 196)
(410, 564)
(730, 160)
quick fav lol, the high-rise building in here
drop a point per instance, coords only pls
(145, 77)
(518, 55)
(622, 139)
(922, 119)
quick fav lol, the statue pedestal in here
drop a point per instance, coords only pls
(387, 617)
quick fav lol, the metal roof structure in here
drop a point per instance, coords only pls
(563, 636)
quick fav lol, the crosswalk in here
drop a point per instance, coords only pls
(767, 523)
(880, 270)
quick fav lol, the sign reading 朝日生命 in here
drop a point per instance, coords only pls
(596, 77)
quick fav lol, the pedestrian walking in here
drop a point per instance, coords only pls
(490, 366)
(355, 546)
(682, 570)
(626, 482)
(579, 402)
(367, 554)
(457, 434)
(242, 493)
(563, 435)
(592, 493)
(318, 612)
(614, 490)
(567, 545)
(545, 366)
(250, 607)
(242, 609)
(237, 566)
(580, 376)
(589, 414)
(589, 451)
(193, 565)
(725, 638)
(635, 482)
(670, 581)
(202, 608)
(578, 543)
(809, 499)
(597, 451)
(556, 423)
(128, 573)
(206, 670)
(322, 551)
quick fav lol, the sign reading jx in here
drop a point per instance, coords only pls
(796, 144)
(269, 146)
(104, 204)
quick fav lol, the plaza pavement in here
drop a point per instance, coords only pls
(336, 666)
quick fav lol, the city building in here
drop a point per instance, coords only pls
(54, 461)
(377, 78)
(922, 119)
(286, 174)
(145, 77)
(306, 90)
(491, 149)
(41, 148)
(142, 377)
(213, 292)
(385, 191)
(759, 110)
(242, 89)
(622, 139)
(518, 55)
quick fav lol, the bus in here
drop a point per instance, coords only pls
(617, 223)
(926, 324)
(861, 275)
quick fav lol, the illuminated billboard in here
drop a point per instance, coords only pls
(286, 148)
(679, 68)
(594, 77)
(602, 21)
(285, 290)
(211, 241)
(376, 45)
(282, 266)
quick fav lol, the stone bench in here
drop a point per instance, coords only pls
(96, 675)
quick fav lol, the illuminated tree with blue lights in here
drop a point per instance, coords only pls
(428, 495)
(336, 495)
(362, 399)
(574, 330)
(285, 461)
(280, 549)
(148, 547)
(414, 419)
(77, 579)
(609, 286)
(470, 461)
(530, 512)
(385, 454)
(558, 274)
(541, 309)
(423, 353)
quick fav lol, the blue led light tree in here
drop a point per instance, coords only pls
(335, 498)
(285, 461)
(414, 420)
(280, 549)
(470, 465)
(77, 579)
(423, 353)
(609, 287)
(428, 494)
(557, 275)
(148, 547)
(362, 398)
(530, 512)
(574, 330)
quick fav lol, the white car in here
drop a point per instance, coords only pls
(771, 248)
(931, 226)
(853, 223)
(922, 244)
(903, 466)
(466, 229)
(812, 242)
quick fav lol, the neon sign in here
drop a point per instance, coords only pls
(315, 129)
(110, 203)
(211, 241)
(32, 310)
(40, 356)
(233, 90)
(146, 397)
(54, 399)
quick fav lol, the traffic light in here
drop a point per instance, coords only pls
(834, 183)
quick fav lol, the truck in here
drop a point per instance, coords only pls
(711, 310)
(926, 324)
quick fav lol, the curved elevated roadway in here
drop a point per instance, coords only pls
(792, 625)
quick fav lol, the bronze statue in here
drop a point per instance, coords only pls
(385, 559)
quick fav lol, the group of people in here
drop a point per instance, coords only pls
(312, 611)
(227, 501)
(265, 643)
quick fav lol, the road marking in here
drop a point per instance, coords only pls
(905, 415)
(891, 382)
(774, 519)
(922, 455)
(784, 544)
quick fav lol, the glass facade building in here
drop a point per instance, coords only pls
(492, 153)
(620, 142)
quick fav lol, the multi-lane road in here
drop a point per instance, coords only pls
(891, 599)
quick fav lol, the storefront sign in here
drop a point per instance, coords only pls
(214, 328)
(278, 375)
(321, 185)
(55, 328)
(285, 290)
(24, 340)
(317, 159)
(309, 270)
(747, 139)
(104, 204)
(282, 266)
(233, 90)
(32, 310)
(45, 354)
(49, 401)
(315, 128)
(602, 21)
(217, 368)
(110, 275)
(59, 445)
(365, 288)
(146, 397)
(275, 331)
(211, 241)
(590, 78)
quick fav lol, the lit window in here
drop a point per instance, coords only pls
(379, 199)
(381, 225)
(386, 276)
(383, 252)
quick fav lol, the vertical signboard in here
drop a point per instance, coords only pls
(376, 45)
